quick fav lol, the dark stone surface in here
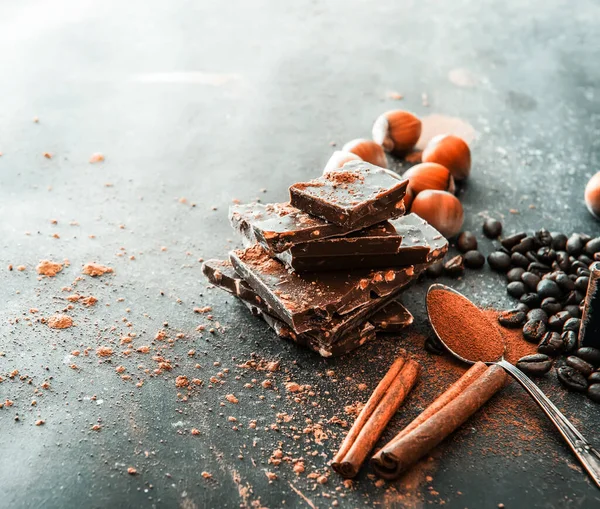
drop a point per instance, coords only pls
(216, 101)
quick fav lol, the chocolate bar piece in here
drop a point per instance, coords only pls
(417, 242)
(305, 302)
(351, 197)
(279, 226)
(392, 318)
(221, 274)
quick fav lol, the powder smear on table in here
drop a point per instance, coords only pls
(463, 327)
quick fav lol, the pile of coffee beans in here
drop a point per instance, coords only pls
(548, 273)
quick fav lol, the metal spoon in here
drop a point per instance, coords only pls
(587, 455)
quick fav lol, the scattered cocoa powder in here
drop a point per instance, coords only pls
(60, 322)
(95, 269)
(48, 268)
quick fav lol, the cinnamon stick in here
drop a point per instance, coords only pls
(373, 418)
(440, 419)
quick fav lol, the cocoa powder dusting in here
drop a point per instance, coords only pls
(463, 327)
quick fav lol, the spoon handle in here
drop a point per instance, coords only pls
(587, 455)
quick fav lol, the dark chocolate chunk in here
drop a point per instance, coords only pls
(392, 318)
(351, 197)
(279, 226)
(371, 247)
(306, 301)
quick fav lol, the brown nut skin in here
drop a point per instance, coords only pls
(429, 176)
(592, 195)
(338, 159)
(408, 198)
(449, 151)
(397, 131)
(367, 150)
(440, 209)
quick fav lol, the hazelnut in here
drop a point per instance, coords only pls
(367, 150)
(397, 131)
(441, 210)
(338, 159)
(429, 176)
(592, 195)
(449, 151)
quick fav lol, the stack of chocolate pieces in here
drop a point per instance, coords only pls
(326, 269)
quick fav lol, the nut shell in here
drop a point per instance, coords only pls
(449, 151)
(592, 195)
(397, 131)
(367, 150)
(338, 159)
(441, 210)
(429, 176)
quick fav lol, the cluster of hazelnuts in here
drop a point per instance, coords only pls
(432, 183)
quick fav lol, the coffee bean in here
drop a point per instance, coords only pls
(527, 244)
(572, 324)
(519, 260)
(569, 339)
(537, 314)
(585, 368)
(574, 310)
(551, 344)
(577, 267)
(572, 379)
(581, 272)
(531, 280)
(592, 247)
(589, 354)
(575, 245)
(538, 268)
(516, 289)
(581, 283)
(492, 228)
(593, 392)
(513, 240)
(435, 270)
(515, 274)
(564, 282)
(433, 345)
(557, 321)
(559, 241)
(544, 237)
(532, 300)
(499, 261)
(546, 255)
(522, 307)
(474, 259)
(454, 266)
(512, 318)
(551, 306)
(537, 364)
(585, 237)
(466, 242)
(534, 331)
(562, 260)
(597, 257)
(573, 297)
(548, 288)
(594, 378)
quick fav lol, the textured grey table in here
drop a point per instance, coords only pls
(211, 101)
